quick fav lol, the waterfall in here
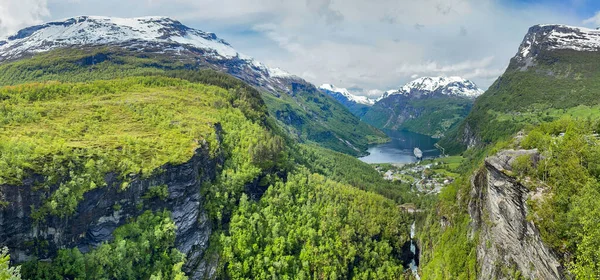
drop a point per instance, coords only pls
(413, 249)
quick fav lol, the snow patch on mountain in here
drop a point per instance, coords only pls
(142, 31)
(329, 88)
(557, 37)
(445, 85)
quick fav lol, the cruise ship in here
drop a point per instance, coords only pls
(418, 153)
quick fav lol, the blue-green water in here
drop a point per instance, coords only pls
(400, 149)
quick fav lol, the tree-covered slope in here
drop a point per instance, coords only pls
(430, 116)
(125, 125)
(539, 85)
(428, 105)
(311, 227)
(567, 177)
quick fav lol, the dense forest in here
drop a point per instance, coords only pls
(570, 172)
(71, 134)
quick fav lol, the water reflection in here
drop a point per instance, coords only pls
(400, 149)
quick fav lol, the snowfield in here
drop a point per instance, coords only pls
(95, 30)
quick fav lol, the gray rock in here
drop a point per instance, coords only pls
(507, 241)
(95, 218)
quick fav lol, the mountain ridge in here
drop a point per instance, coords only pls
(427, 105)
(165, 32)
(297, 104)
(451, 85)
(360, 99)
(557, 36)
(555, 68)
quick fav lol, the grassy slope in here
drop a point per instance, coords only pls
(314, 115)
(317, 117)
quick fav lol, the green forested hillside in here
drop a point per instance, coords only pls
(561, 82)
(305, 112)
(314, 228)
(71, 134)
(569, 176)
(429, 116)
(342, 131)
(82, 131)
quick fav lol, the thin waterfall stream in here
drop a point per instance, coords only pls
(413, 249)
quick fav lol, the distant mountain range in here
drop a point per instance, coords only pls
(450, 86)
(427, 105)
(358, 105)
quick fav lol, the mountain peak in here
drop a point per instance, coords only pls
(445, 85)
(97, 30)
(154, 34)
(331, 89)
(545, 37)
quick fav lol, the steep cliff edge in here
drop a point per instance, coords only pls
(509, 245)
(134, 163)
(104, 209)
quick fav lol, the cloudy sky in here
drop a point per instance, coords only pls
(367, 45)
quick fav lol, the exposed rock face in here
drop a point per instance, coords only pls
(541, 38)
(508, 243)
(469, 138)
(97, 217)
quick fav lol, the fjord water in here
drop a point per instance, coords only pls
(400, 149)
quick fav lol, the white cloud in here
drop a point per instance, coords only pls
(367, 44)
(17, 14)
(595, 20)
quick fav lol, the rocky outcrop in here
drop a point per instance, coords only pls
(469, 138)
(102, 210)
(509, 244)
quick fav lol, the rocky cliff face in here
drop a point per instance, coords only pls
(541, 38)
(98, 215)
(509, 245)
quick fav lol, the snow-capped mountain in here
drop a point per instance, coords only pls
(427, 105)
(332, 90)
(455, 86)
(557, 37)
(549, 55)
(162, 34)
